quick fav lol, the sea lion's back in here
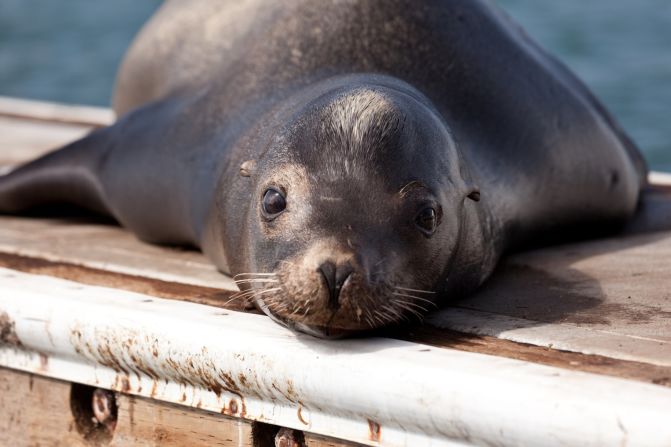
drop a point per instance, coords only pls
(520, 110)
(181, 45)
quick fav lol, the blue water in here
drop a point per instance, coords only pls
(68, 51)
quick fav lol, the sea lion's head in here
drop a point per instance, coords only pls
(358, 213)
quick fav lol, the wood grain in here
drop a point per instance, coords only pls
(144, 422)
(36, 411)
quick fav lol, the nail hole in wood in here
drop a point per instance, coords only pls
(94, 412)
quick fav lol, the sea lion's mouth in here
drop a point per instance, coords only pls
(316, 330)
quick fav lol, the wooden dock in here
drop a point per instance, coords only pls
(585, 326)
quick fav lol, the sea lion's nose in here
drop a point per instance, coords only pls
(335, 276)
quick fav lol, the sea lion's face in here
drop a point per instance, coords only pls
(356, 215)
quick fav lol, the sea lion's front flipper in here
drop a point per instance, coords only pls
(64, 176)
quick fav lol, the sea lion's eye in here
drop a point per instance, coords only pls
(273, 202)
(426, 220)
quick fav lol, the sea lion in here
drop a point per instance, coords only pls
(352, 163)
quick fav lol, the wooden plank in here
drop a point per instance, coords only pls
(28, 128)
(106, 247)
(30, 109)
(145, 422)
(551, 356)
(36, 410)
(610, 297)
(312, 440)
(141, 284)
(22, 139)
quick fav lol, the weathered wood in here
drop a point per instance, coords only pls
(609, 297)
(29, 128)
(37, 410)
(144, 422)
(106, 247)
(32, 110)
(598, 364)
(134, 283)
(312, 440)
(22, 140)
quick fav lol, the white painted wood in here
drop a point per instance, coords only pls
(106, 247)
(50, 111)
(419, 395)
(609, 297)
(660, 178)
(22, 139)
(565, 337)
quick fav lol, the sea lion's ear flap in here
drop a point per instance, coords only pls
(474, 194)
(247, 168)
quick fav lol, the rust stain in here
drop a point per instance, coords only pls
(8, 332)
(243, 380)
(290, 389)
(120, 351)
(233, 406)
(125, 384)
(44, 362)
(374, 430)
(288, 395)
(299, 412)
(231, 385)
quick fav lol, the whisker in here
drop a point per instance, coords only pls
(262, 291)
(253, 293)
(416, 297)
(414, 290)
(403, 305)
(254, 274)
(412, 305)
(243, 281)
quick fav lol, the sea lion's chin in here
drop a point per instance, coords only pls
(326, 330)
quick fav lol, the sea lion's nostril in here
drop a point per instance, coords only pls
(335, 277)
